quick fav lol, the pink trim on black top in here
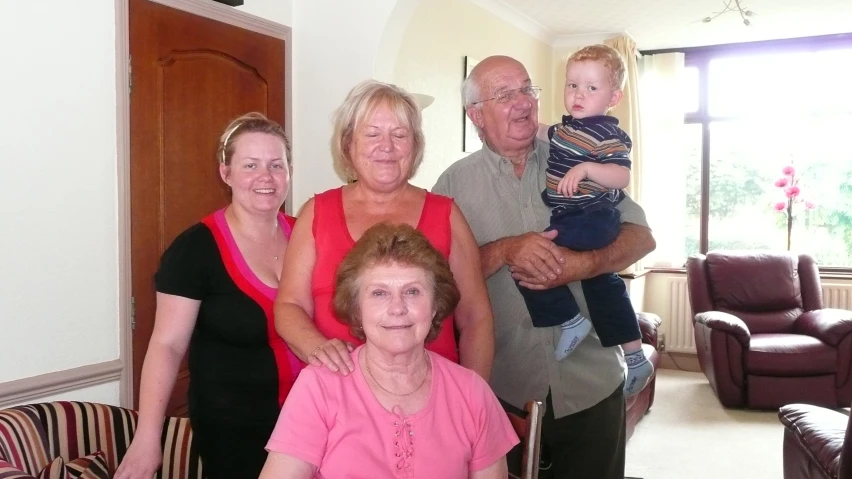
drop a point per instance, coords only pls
(287, 363)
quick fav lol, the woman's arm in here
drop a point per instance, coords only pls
(174, 322)
(473, 316)
(498, 470)
(282, 466)
(294, 304)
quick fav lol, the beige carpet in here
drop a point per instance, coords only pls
(689, 435)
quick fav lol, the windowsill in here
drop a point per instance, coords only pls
(666, 270)
(836, 275)
(823, 274)
(634, 275)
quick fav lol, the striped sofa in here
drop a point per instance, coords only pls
(32, 436)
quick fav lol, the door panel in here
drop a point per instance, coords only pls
(190, 76)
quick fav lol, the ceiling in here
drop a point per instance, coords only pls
(658, 24)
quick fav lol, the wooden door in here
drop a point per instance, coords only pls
(189, 77)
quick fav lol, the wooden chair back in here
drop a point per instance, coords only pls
(528, 430)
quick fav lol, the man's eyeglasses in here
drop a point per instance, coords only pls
(511, 95)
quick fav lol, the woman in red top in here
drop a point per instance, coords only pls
(378, 144)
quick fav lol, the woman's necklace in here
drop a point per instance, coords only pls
(275, 238)
(257, 241)
(367, 366)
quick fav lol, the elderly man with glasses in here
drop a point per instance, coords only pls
(499, 191)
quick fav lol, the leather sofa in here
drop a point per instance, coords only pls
(639, 404)
(762, 335)
(817, 443)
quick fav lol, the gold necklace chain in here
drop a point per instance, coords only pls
(275, 238)
(257, 241)
(367, 366)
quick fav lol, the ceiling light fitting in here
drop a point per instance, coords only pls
(733, 6)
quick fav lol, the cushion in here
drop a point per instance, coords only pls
(54, 470)
(789, 355)
(8, 471)
(93, 466)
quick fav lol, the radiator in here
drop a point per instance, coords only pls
(837, 295)
(680, 337)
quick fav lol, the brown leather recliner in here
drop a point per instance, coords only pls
(817, 443)
(763, 337)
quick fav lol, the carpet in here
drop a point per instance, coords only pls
(688, 435)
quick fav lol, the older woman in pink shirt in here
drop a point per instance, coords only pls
(404, 412)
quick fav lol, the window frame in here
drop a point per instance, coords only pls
(700, 58)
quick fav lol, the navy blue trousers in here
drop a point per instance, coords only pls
(606, 295)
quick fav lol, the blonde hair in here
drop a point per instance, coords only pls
(359, 104)
(608, 56)
(386, 244)
(253, 122)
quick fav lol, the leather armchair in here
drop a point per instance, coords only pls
(817, 443)
(762, 335)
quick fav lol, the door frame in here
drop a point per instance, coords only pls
(202, 8)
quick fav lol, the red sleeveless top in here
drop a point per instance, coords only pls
(333, 241)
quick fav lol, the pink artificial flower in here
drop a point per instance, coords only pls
(792, 191)
(779, 206)
(789, 170)
(782, 182)
(810, 204)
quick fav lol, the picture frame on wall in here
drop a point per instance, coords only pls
(470, 137)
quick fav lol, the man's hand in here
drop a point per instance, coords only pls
(534, 255)
(577, 266)
(633, 242)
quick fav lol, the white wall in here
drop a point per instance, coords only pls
(278, 11)
(58, 193)
(335, 46)
(430, 60)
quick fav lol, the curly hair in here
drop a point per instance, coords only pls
(386, 244)
(608, 56)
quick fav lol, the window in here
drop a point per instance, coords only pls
(748, 113)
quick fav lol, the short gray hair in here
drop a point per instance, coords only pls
(470, 91)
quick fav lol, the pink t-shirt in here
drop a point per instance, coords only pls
(337, 424)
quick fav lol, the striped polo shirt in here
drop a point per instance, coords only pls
(578, 140)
